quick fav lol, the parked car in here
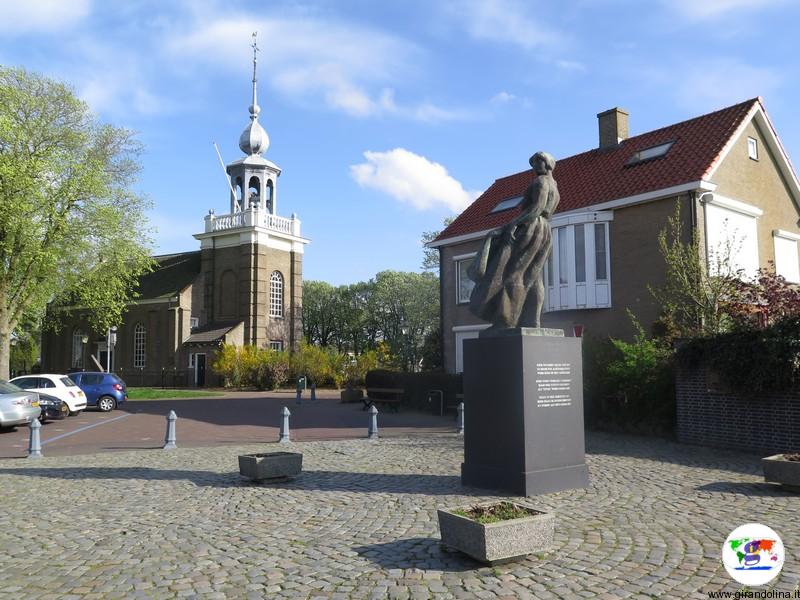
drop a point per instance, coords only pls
(53, 409)
(60, 386)
(106, 391)
(17, 407)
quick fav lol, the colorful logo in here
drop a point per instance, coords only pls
(753, 554)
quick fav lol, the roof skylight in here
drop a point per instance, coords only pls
(650, 153)
(507, 204)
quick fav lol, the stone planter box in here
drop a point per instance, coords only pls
(499, 542)
(779, 470)
(351, 395)
(271, 466)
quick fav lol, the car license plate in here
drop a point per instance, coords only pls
(35, 403)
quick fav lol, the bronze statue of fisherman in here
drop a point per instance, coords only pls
(509, 291)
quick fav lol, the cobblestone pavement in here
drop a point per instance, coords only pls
(360, 522)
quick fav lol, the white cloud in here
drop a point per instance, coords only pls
(505, 21)
(41, 16)
(701, 10)
(502, 97)
(348, 67)
(413, 179)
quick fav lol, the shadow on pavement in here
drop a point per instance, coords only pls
(745, 488)
(339, 481)
(671, 452)
(417, 553)
(266, 411)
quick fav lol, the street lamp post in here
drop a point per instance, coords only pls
(404, 330)
(13, 344)
(111, 340)
(84, 341)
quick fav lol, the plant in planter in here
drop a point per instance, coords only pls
(783, 469)
(496, 532)
(271, 466)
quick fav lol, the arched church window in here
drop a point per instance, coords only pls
(268, 202)
(276, 294)
(139, 346)
(253, 192)
(78, 348)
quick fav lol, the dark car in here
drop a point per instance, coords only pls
(53, 409)
(106, 391)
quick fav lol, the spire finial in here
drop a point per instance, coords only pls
(254, 108)
(254, 140)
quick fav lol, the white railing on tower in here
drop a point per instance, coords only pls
(253, 217)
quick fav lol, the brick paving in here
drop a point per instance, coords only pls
(360, 522)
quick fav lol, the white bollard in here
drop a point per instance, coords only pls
(284, 435)
(169, 440)
(35, 444)
(372, 432)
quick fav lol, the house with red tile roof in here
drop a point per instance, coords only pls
(728, 172)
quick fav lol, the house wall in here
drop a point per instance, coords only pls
(635, 262)
(453, 314)
(761, 184)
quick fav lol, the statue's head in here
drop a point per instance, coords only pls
(545, 159)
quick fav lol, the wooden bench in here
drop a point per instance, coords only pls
(393, 402)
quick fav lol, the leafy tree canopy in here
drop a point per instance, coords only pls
(72, 229)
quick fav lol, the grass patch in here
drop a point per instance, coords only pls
(145, 393)
(502, 511)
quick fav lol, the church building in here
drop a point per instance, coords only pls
(243, 286)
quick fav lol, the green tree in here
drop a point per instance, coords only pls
(72, 230)
(319, 319)
(405, 307)
(430, 256)
(696, 293)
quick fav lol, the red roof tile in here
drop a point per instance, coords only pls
(601, 175)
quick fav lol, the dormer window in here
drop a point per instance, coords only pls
(649, 153)
(507, 204)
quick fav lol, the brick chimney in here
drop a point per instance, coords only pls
(613, 126)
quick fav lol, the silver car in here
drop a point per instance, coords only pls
(17, 407)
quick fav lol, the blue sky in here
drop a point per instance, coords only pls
(387, 117)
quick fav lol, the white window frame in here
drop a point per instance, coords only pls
(461, 333)
(566, 293)
(276, 295)
(457, 260)
(752, 148)
(194, 323)
(714, 203)
(139, 346)
(791, 271)
(276, 345)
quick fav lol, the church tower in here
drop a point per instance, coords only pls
(252, 257)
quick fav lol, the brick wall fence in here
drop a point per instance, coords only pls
(765, 424)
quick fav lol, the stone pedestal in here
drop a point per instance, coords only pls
(523, 398)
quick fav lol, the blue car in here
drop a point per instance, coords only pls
(106, 391)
